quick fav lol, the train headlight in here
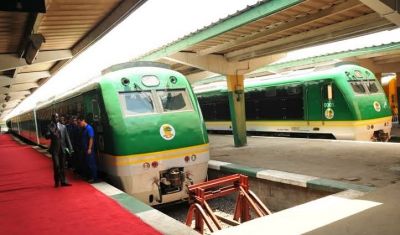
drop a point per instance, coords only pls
(150, 80)
(372, 126)
(173, 79)
(368, 127)
(187, 158)
(154, 164)
(193, 157)
(125, 81)
(146, 165)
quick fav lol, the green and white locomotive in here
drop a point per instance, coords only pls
(150, 133)
(345, 102)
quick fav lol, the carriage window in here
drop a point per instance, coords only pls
(174, 100)
(358, 87)
(135, 103)
(270, 92)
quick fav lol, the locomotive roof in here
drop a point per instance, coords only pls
(115, 70)
(305, 75)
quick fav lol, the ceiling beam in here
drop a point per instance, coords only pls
(23, 86)
(386, 9)
(5, 80)
(194, 77)
(18, 93)
(30, 77)
(123, 10)
(329, 33)
(12, 61)
(386, 60)
(4, 90)
(218, 64)
(284, 27)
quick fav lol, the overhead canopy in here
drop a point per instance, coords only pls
(36, 41)
(265, 32)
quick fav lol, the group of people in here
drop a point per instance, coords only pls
(71, 139)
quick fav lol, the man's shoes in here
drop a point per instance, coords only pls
(56, 185)
(65, 184)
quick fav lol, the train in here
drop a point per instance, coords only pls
(150, 135)
(343, 102)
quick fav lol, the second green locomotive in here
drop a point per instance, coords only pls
(345, 102)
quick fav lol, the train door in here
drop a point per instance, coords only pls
(314, 104)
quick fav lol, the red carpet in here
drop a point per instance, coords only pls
(29, 203)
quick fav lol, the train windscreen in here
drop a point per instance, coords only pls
(137, 102)
(174, 100)
(365, 87)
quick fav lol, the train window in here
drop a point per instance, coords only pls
(174, 100)
(135, 103)
(358, 87)
(270, 92)
(329, 91)
(96, 110)
(294, 90)
(372, 87)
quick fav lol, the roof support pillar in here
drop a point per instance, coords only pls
(398, 79)
(237, 108)
(378, 77)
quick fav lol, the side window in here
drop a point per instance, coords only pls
(96, 110)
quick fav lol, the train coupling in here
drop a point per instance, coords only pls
(380, 135)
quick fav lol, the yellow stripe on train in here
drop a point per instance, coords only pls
(310, 123)
(133, 159)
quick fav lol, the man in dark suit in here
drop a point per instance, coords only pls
(59, 147)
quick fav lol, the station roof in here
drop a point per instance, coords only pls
(382, 58)
(272, 28)
(37, 39)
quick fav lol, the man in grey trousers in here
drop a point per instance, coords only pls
(59, 147)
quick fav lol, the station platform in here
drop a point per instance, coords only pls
(363, 179)
(372, 164)
(30, 204)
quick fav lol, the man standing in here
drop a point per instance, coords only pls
(74, 135)
(88, 148)
(60, 145)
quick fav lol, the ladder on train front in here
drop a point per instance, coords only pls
(246, 200)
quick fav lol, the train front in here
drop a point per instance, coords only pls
(369, 105)
(155, 142)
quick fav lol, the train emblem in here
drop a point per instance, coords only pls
(377, 106)
(167, 132)
(329, 113)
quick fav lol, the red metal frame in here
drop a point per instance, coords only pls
(200, 193)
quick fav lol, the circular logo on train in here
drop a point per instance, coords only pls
(167, 132)
(377, 106)
(329, 113)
